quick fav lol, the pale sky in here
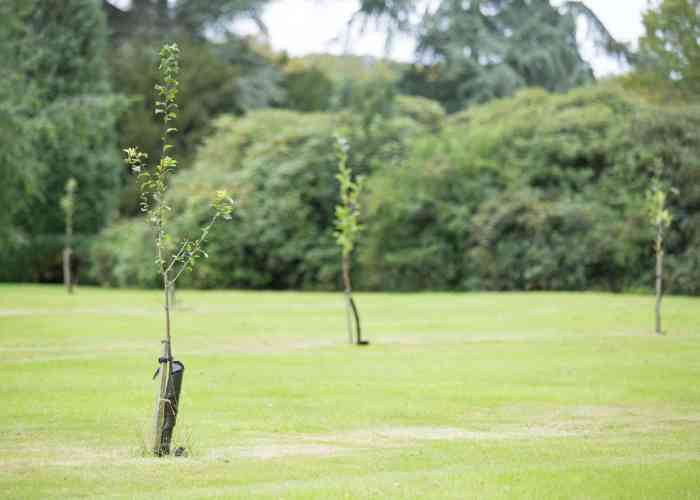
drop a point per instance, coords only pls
(311, 26)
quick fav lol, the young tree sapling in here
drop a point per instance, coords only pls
(68, 206)
(348, 227)
(171, 261)
(661, 218)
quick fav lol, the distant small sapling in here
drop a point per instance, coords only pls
(661, 218)
(171, 260)
(348, 228)
(68, 207)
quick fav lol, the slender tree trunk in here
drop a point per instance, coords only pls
(348, 297)
(67, 278)
(168, 292)
(659, 277)
(172, 297)
(67, 252)
(165, 360)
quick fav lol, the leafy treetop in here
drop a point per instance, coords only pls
(68, 200)
(657, 208)
(669, 50)
(347, 213)
(155, 184)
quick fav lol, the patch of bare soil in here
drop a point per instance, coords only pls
(505, 423)
(514, 423)
(268, 451)
(28, 457)
(591, 419)
(401, 436)
(323, 445)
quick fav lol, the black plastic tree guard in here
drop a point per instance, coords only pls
(172, 396)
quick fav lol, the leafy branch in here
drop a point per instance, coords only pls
(347, 213)
(659, 215)
(154, 184)
(191, 251)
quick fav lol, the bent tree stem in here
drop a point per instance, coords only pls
(348, 297)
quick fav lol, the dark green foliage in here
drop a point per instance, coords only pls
(669, 51)
(156, 20)
(171, 259)
(424, 111)
(536, 192)
(123, 255)
(368, 99)
(348, 67)
(69, 116)
(210, 80)
(403, 15)
(20, 169)
(308, 89)
(398, 12)
(281, 165)
(325, 82)
(671, 140)
(476, 50)
(481, 50)
(216, 78)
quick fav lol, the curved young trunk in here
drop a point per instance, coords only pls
(348, 297)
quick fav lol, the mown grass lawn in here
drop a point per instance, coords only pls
(459, 396)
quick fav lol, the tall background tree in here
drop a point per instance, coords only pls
(157, 19)
(20, 169)
(482, 50)
(71, 116)
(222, 72)
(669, 51)
(477, 50)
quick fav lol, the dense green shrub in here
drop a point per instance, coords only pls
(534, 192)
(307, 88)
(20, 168)
(281, 165)
(480, 50)
(424, 111)
(537, 192)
